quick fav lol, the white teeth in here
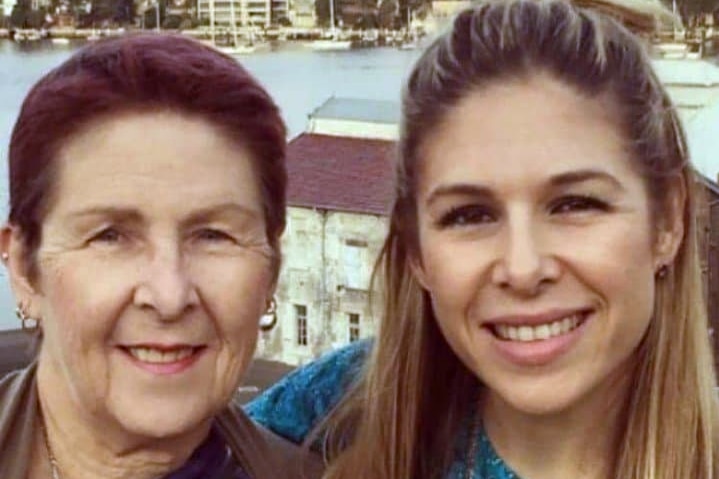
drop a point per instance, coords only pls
(543, 332)
(151, 355)
(526, 333)
(540, 332)
(555, 328)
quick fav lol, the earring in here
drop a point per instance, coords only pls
(28, 323)
(663, 271)
(269, 319)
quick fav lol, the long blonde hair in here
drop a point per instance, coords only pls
(405, 413)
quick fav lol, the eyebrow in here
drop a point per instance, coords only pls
(459, 189)
(560, 180)
(224, 208)
(582, 176)
(117, 213)
(132, 215)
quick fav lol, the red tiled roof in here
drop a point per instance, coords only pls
(340, 173)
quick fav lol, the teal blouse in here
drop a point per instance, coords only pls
(293, 406)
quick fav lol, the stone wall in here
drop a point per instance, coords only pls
(328, 261)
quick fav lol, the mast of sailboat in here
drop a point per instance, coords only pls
(234, 23)
(212, 21)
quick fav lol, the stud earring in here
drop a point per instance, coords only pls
(28, 324)
(662, 271)
(269, 319)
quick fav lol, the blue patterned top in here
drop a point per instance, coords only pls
(299, 401)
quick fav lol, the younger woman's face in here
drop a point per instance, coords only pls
(536, 242)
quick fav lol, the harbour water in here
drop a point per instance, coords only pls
(299, 79)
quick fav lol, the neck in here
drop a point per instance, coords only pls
(91, 444)
(578, 442)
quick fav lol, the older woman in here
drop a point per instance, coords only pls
(147, 195)
(543, 307)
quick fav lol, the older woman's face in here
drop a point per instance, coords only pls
(154, 269)
(537, 246)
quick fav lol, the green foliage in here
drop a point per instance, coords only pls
(322, 11)
(690, 8)
(387, 13)
(23, 16)
(172, 22)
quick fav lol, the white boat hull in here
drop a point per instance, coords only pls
(331, 45)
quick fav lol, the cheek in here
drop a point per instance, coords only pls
(452, 271)
(80, 305)
(237, 296)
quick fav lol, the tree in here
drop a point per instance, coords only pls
(322, 11)
(690, 8)
(23, 16)
(412, 6)
(387, 13)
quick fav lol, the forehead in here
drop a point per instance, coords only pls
(528, 129)
(153, 159)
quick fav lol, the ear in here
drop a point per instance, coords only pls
(12, 248)
(670, 226)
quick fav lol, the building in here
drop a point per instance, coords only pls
(443, 10)
(692, 84)
(339, 193)
(7, 6)
(302, 14)
(247, 13)
(708, 228)
(702, 133)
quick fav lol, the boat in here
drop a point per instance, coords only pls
(60, 41)
(238, 49)
(332, 42)
(233, 47)
(27, 36)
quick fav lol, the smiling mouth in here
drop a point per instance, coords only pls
(152, 355)
(539, 332)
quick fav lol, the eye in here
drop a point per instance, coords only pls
(109, 235)
(213, 235)
(577, 204)
(467, 215)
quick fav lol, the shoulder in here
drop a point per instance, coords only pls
(16, 386)
(18, 404)
(259, 452)
(299, 401)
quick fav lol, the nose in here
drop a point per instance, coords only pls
(526, 262)
(166, 285)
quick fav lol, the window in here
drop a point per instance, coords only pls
(301, 318)
(354, 327)
(354, 258)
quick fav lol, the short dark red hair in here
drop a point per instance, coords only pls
(136, 73)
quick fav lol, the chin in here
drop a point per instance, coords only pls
(163, 419)
(541, 400)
